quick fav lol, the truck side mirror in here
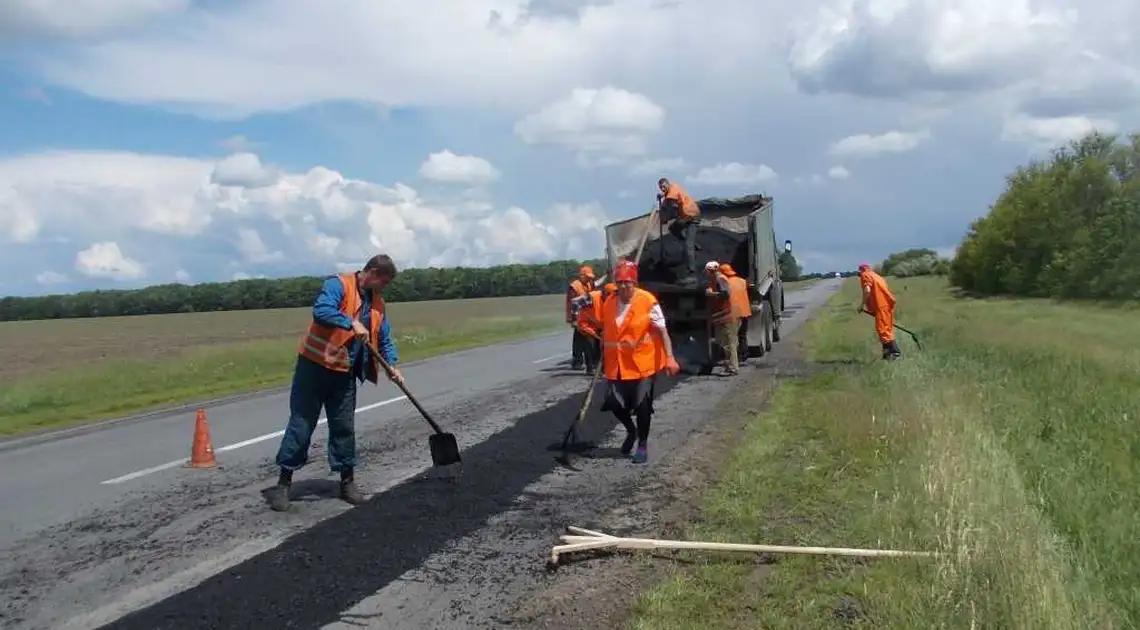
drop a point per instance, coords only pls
(788, 247)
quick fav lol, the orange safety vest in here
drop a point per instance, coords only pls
(630, 351)
(578, 288)
(328, 345)
(688, 208)
(722, 310)
(590, 317)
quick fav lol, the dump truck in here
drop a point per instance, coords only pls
(735, 230)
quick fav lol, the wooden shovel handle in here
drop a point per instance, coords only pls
(403, 388)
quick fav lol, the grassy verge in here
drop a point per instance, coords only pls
(1011, 443)
(796, 285)
(121, 387)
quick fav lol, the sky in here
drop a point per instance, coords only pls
(155, 141)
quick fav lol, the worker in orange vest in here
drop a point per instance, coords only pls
(879, 302)
(331, 359)
(676, 205)
(590, 324)
(579, 286)
(728, 304)
(635, 347)
(739, 284)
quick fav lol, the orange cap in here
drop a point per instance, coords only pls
(610, 287)
(727, 269)
(586, 271)
(626, 272)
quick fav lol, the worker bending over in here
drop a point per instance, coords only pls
(739, 284)
(331, 359)
(675, 203)
(580, 286)
(635, 347)
(589, 320)
(728, 304)
(879, 302)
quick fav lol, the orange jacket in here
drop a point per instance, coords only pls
(876, 294)
(632, 350)
(688, 209)
(736, 306)
(577, 289)
(590, 317)
(328, 345)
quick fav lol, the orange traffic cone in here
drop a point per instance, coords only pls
(202, 452)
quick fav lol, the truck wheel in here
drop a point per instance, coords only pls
(769, 326)
(755, 334)
(776, 317)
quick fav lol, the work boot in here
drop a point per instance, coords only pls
(895, 352)
(627, 445)
(279, 494)
(349, 492)
(886, 350)
(642, 454)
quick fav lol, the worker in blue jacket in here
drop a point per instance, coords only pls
(331, 360)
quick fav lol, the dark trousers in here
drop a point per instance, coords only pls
(632, 399)
(578, 348)
(592, 351)
(314, 387)
(742, 341)
(687, 233)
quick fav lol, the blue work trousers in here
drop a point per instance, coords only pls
(314, 387)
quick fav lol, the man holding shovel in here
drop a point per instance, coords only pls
(331, 360)
(879, 302)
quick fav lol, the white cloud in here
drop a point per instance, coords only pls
(243, 170)
(867, 145)
(734, 174)
(51, 277)
(446, 166)
(603, 126)
(106, 260)
(182, 276)
(838, 172)
(1050, 132)
(78, 18)
(657, 168)
(303, 222)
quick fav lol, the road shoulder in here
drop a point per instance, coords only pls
(598, 590)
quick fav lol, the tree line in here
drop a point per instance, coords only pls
(1064, 227)
(919, 261)
(411, 285)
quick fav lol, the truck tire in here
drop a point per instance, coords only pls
(769, 326)
(776, 318)
(756, 345)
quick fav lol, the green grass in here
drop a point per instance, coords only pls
(1011, 443)
(101, 388)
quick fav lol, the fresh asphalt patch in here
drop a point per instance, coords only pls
(308, 580)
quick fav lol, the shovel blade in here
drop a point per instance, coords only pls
(444, 449)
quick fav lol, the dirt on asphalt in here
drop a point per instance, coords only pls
(424, 552)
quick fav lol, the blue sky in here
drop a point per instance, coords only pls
(149, 141)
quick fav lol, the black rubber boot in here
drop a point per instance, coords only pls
(349, 492)
(279, 494)
(886, 350)
(895, 352)
(627, 445)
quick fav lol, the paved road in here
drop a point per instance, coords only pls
(100, 524)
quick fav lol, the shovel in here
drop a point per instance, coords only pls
(444, 449)
(913, 336)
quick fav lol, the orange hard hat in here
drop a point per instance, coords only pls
(586, 271)
(727, 269)
(626, 272)
(610, 287)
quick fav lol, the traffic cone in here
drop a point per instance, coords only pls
(202, 452)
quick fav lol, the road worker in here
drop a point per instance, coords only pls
(675, 203)
(879, 302)
(740, 285)
(590, 323)
(728, 304)
(579, 286)
(635, 347)
(347, 313)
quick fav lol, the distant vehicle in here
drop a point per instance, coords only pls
(738, 231)
(838, 275)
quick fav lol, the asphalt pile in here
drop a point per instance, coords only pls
(664, 260)
(307, 581)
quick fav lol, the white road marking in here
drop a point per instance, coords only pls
(551, 357)
(237, 445)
